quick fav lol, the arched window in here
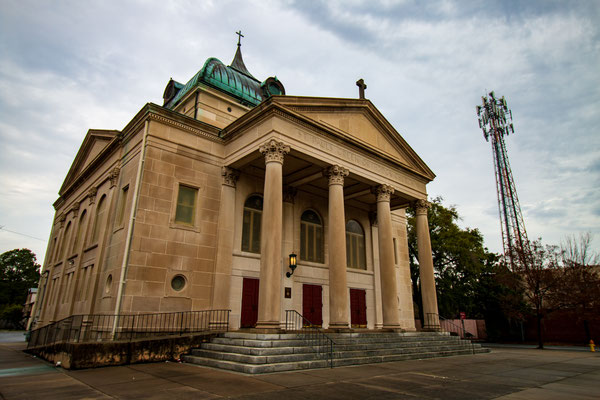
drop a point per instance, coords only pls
(355, 245)
(311, 237)
(80, 231)
(99, 217)
(65, 241)
(252, 220)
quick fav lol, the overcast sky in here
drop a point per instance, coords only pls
(68, 66)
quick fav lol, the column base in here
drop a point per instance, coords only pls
(431, 328)
(394, 328)
(269, 325)
(339, 325)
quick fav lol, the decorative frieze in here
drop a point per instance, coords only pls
(230, 176)
(421, 206)
(384, 192)
(336, 174)
(274, 151)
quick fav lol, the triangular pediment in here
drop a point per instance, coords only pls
(359, 121)
(94, 143)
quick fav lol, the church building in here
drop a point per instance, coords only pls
(199, 204)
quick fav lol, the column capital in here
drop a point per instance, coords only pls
(373, 218)
(75, 209)
(92, 195)
(384, 192)
(274, 151)
(289, 193)
(61, 220)
(336, 174)
(230, 176)
(113, 176)
(421, 206)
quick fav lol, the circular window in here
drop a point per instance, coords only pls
(108, 284)
(178, 282)
(229, 109)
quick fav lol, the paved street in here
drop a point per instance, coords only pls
(506, 373)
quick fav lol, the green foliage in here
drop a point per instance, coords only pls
(12, 315)
(469, 278)
(19, 272)
(459, 259)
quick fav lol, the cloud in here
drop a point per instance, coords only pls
(71, 66)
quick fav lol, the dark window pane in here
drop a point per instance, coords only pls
(246, 231)
(303, 254)
(319, 239)
(256, 223)
(311, 242)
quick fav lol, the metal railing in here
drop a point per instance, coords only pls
(449, 326)
(445, 325)
(434, 321)
(128, 327)
(312, 334)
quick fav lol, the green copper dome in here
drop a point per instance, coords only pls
(234, 80)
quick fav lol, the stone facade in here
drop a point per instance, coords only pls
(155, 218)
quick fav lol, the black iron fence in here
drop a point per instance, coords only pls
(128, 327)
(312, 334)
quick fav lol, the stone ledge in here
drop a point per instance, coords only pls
(101, 354)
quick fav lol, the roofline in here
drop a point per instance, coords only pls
(274, 104)
(148, 111)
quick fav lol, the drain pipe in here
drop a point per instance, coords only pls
(125, 264)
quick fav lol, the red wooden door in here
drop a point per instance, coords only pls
(358, 308)
(249, 303)
(312, 304)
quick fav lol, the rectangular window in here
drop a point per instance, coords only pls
(186, 205)
(122, 205)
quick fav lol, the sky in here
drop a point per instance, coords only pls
(69, 66)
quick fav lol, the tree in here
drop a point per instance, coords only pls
(579, 287)
(541, 273)
(460, 262)
(19, 272)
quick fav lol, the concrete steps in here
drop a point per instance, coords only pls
(255, 353)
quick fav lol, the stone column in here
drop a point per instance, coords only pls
(389, 289)
(428, 293)
(269, 293)
(224, 258)
(338, 286)
(289, 227)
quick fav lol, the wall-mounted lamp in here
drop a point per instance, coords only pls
(292, 265)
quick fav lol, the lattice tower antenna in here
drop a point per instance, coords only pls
(495, 119)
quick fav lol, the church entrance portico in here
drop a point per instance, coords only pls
(295, 182)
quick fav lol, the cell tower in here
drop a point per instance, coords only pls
(495, 119)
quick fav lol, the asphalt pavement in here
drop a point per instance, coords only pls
(505, 373)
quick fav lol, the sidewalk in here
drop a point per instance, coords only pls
(506, 373)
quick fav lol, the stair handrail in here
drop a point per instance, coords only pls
(313, 334)
(458, 329)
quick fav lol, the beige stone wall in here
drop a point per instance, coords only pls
(404, 282)
(162, 248)
(74, 258)
(212, 107)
